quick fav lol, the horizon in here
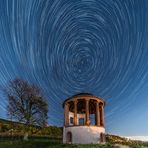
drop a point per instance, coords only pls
(72, 46)
(140, 138)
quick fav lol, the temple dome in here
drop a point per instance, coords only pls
(81, 95)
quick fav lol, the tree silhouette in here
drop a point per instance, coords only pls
(26, 103)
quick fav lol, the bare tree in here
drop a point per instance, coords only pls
(26, 103)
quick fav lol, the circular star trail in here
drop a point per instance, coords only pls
(72, 46)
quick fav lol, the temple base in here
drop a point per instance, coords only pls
(84, 135)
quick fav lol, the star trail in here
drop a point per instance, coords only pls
(73, 46)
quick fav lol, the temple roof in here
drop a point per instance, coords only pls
(81, 94)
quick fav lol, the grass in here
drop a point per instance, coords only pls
(53, 143)
(46, 144)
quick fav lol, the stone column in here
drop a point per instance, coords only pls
(97, 114)
(87, 112)
(102, 114)
(66, 114)
(75, 112)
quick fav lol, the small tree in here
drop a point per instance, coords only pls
(26, 103)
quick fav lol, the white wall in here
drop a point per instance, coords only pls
(83, 134)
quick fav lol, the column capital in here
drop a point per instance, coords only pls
(87, 99)
(97, 101)
(75, 101)
(102, 106)
(67, 104)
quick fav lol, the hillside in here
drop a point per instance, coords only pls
(10, 129)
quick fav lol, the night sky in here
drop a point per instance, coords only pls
(72, 46)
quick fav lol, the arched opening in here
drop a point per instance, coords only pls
(81, 112)
(92, 111)
(69, 137)
(102, 137)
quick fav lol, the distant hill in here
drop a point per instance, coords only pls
(8, 121)
(141, 138)
(114, 139)
(4, 121)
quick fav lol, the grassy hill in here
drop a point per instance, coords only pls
(10, 128)
(53, 135)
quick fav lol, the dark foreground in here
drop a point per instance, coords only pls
(45, 144)
(53, 144)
